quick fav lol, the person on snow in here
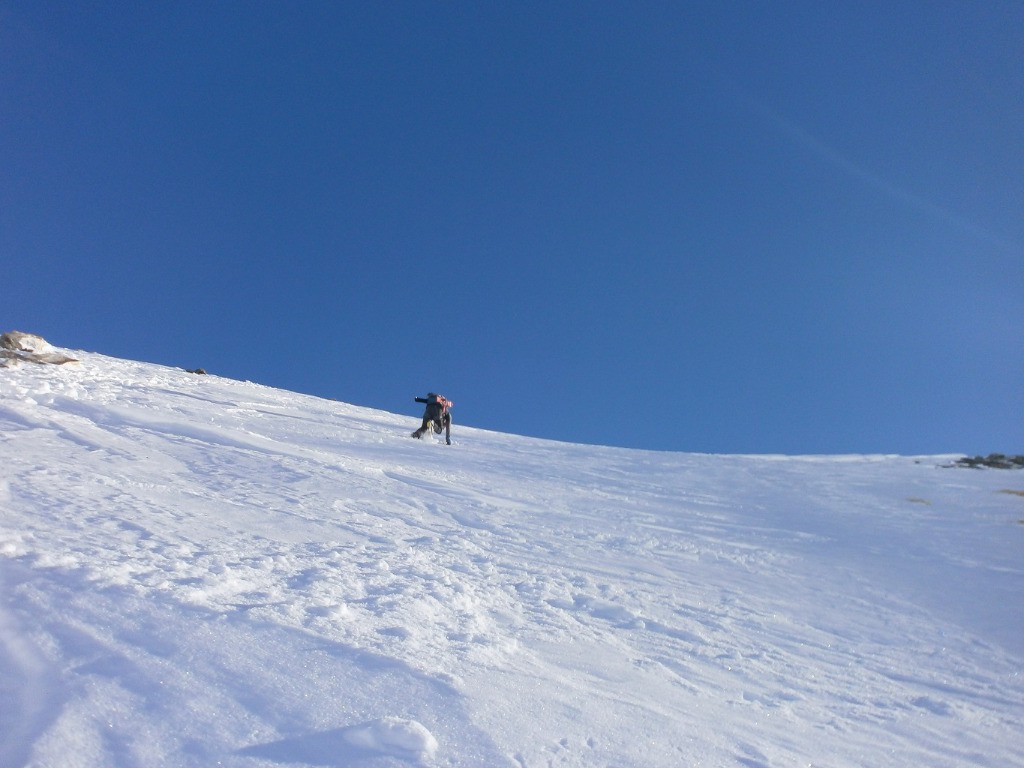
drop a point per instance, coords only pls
(437, 414)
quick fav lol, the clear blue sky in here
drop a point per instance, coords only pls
(792, 227)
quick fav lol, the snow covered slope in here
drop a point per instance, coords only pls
(197, 571)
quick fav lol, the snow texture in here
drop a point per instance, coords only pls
(196, 571)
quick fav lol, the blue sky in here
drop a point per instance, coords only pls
(720, 227)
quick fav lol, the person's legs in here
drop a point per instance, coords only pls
(424, 427)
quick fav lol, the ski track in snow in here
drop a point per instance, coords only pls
(200, 571)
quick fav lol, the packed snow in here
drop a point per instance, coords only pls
(196, 571)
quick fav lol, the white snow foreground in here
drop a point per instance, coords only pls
(196, 571)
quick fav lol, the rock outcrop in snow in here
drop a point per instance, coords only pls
(19, 346)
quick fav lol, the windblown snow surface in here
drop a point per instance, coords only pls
(198, 571)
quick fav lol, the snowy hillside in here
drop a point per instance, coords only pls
(196, 571)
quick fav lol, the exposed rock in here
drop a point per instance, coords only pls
(19, 346)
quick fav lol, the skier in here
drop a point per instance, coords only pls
(436, 415)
